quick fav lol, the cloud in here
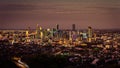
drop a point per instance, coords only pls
(48, 13)
(15, 7)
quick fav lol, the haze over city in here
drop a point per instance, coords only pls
(59, 34)
(99, 14)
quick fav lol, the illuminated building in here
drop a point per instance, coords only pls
(27, 36)
(45, 33)
(41, 33)
(70, 35)
(81, 35)
(74, 36)
(37, 32)
(52, 33)
(1, 37)
(89, 34)
(27, 33)
(84, 36)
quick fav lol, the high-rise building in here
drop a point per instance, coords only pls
(73, 27)
(27, 33)
(57, 31)
(41, 33)
(57, 26)
(38, 32)
(90, 34)
(84, 36)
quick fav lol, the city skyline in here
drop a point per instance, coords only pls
(103, 14)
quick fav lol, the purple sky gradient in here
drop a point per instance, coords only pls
(102, 14)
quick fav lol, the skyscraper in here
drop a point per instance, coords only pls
(73, 27)
(89, 34)
(37, 32)
(41, 33)
(57, 26)
(28, 32)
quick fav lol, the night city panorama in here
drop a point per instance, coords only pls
(59, 34)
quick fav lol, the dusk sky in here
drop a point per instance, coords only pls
(21, 14)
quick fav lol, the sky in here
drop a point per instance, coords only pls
(21, 14)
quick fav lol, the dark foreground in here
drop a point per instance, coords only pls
(42, 57)
(45, 61)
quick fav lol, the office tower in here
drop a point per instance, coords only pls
(57, 26)
(27, 36)
(41, 33)
(89, 34)
(51, 33)
(81, 35)
(27, 33)
(57, 31)
(73, 27)
(48, 32)
(45, 33)
(37, 32)
(84, 36)
(74, 36)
